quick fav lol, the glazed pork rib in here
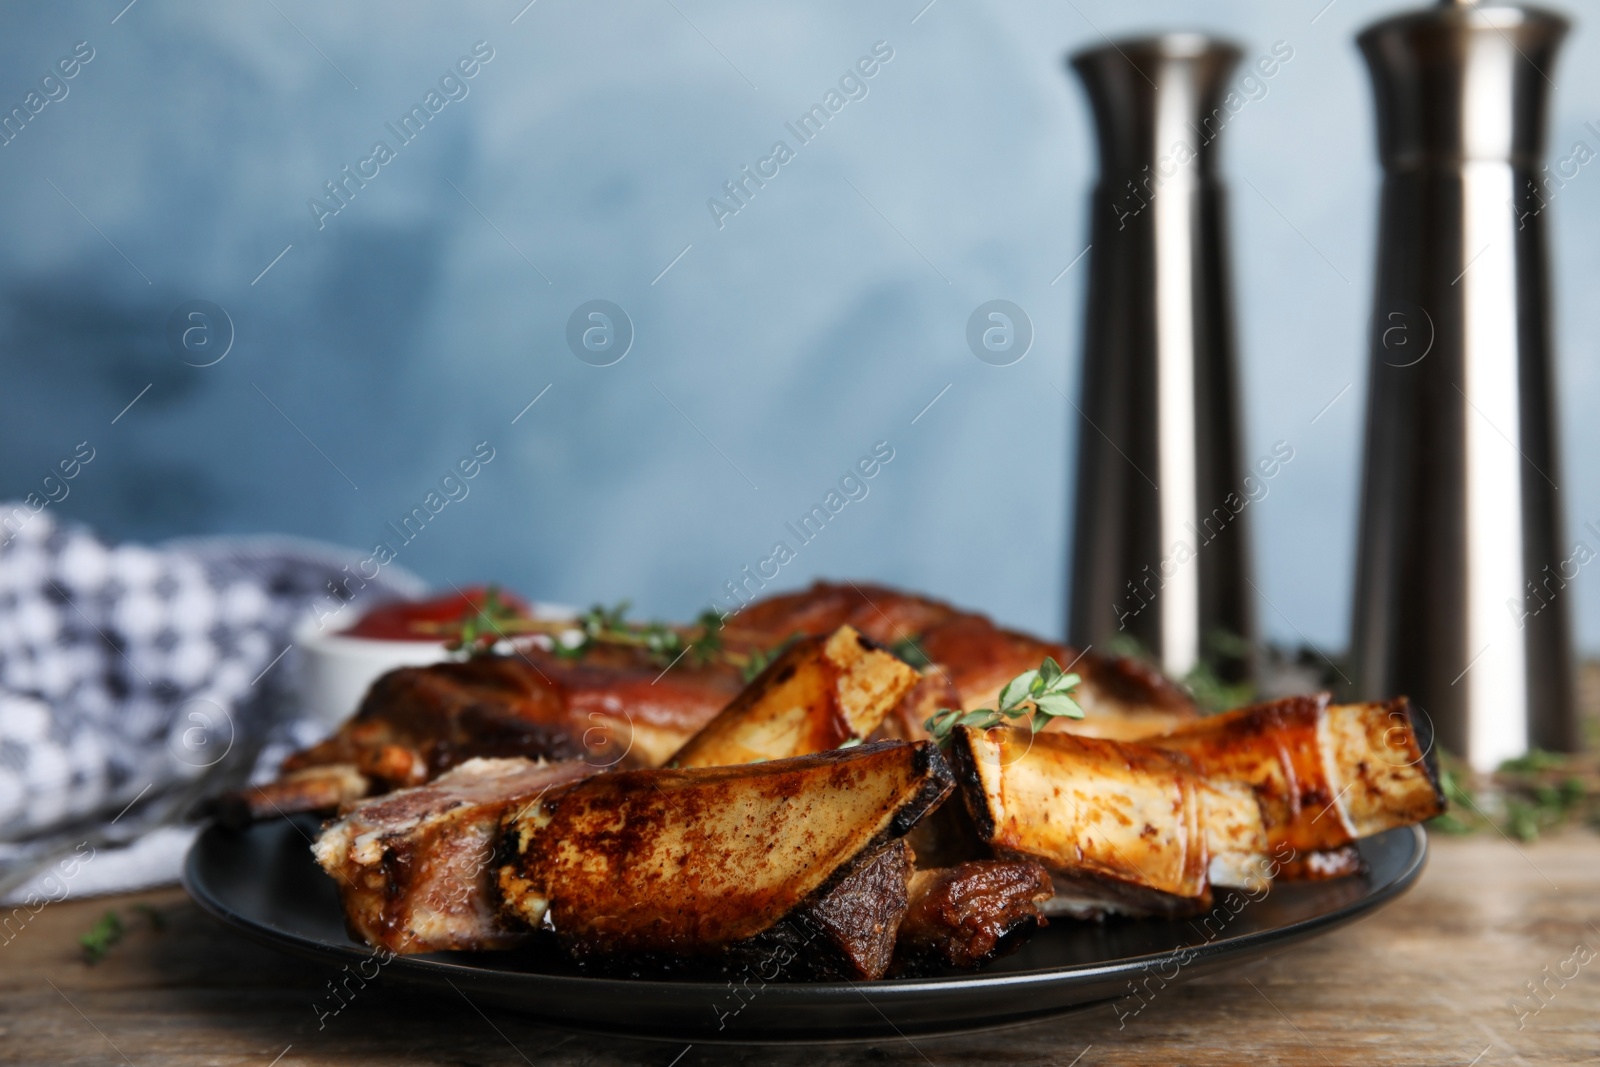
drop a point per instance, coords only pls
(415, 867)
(797, 859)
(1324, 774)
(818, 694)
(1121, 828)
(1150, 827)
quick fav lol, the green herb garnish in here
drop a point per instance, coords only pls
(481, 627)
(98, 939)
(1526, 797)
(484, 624)
(908, 649)
(1036, 696)
(664, 643)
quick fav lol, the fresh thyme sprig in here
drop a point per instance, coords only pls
(665, 644)
(484, 624)
(494, 619)
(1037, 696)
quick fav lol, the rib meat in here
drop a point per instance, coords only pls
(966, 915)
(1120, 827)
(415, 867)
(1324, 774)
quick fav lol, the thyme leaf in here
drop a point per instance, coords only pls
(1035, 696)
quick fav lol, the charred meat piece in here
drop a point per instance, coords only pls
(415, 868)
(967, 915)
(1118, 826)
(821, 692)
(845, 930)
(660, 868)
(1324, 775)
(603, 707)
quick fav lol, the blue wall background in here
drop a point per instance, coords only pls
(822, 318)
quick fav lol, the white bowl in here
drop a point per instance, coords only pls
(336, 670)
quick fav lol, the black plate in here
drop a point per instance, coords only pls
(264, 883)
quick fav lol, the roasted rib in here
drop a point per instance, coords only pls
(1120, 828)
(818, 694)
(688, 868)
(1324, 774)
(415, 868)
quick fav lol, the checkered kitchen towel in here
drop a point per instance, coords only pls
(132, 678)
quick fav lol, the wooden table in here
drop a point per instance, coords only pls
(1429, 980)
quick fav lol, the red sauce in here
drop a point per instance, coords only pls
(399, 619)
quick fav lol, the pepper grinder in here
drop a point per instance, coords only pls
(1159, 546)
(1461, 595)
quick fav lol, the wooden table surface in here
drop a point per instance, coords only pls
(1432, 979)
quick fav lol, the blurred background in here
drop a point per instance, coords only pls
(376, 345)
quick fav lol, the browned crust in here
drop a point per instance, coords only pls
(688, 862)
(819, 693)
(415, 867)
(845, 930)
(964, 768)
